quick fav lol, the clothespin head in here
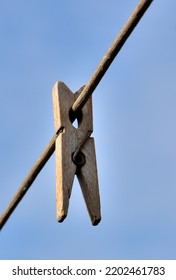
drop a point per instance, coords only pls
(75, 154)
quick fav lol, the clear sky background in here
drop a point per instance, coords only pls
(134, 128)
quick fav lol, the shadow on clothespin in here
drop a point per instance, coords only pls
(75, 153)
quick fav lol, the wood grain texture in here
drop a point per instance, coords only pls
(66, 144)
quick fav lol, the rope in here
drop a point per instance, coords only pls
(79, 103)
(110, 55)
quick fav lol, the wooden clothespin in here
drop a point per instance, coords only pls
(75, 154)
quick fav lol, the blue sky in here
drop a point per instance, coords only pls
(134, 128)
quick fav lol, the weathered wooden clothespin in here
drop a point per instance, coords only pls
(75, 154)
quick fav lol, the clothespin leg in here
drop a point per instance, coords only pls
(65, 171)
(88, 180)
(63, 98)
